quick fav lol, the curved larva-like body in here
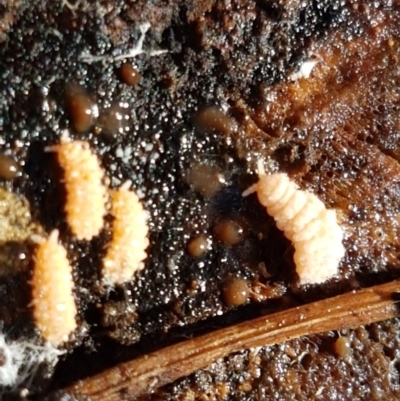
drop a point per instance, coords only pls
(85, 205)
(316, 235)
(127, 248)
(54, 308)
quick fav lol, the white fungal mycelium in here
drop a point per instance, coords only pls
(53, 303)
(86, 195)
(132, 53)
(304, 70)
(304, 219)
(127, 249)
(20, 360)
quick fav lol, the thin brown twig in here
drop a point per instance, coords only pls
(142, 375)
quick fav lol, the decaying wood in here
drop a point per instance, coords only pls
(142, 375)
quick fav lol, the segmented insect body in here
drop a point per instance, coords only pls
(304, 219)
(127, 248)
(54, 308)
(86, 195)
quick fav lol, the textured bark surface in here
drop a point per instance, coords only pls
(188, 136)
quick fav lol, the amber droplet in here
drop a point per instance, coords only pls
(204, 179)
(8, 167)
(229, 231)
(235, 291)
(112, 121)
(80, 107)
(213, 119)
(129, 74)
(342, 347)
(198, 246)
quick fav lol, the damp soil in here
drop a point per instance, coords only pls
(211, 94)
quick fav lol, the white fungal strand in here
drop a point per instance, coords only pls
(304, 70)
(54, 308)
(304, 219)
(127, 248)
(86, 195)
(20, 360)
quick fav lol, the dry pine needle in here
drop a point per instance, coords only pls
(128, 380)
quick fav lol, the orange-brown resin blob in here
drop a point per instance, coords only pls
(129, 74)
(127, 248)
(213, 119)
(80, 107)
(235, 291)
(198, 246)
(342, 347)
(113, 121)
(9, 169)
(54, 308)
(204, 179)
(229, 231)
(85, 204)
